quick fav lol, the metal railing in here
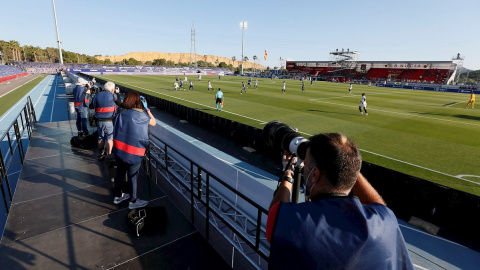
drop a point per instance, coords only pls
(11, 144)
(205, 193)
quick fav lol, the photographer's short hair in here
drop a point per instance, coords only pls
(132, 101)
(339, 157)
(109, 86)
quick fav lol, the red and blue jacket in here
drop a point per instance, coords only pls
(130, 135)
(335, 233)
(80, 97)
(104, 105)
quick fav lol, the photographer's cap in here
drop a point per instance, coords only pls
(81, 81)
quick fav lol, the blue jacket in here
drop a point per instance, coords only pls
(104, 105)
(336, 233)
(130, 135)
(80, 97)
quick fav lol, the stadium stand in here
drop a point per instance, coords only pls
(8, 72)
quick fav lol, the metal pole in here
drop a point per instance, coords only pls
(243, 25)
(58, 35)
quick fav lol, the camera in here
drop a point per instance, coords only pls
(282, 137)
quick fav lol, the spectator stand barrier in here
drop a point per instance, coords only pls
(222, 213)
(12, 148)
(406, 195)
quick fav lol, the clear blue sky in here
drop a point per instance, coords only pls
(298, 30)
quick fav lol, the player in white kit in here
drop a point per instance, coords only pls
(363, 104)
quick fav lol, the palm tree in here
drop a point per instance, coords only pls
(254, 66)
(233, 62)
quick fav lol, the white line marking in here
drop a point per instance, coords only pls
(407, 114)
(411, 164)
(53, 102)
(17, 87)
(38, 99)
(380, 155)
(19, 102)
(456, 103)
(186, 100)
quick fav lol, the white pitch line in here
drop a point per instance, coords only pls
(186, 100)
(407, 114)
(380, 155)
(411, 164)
(456, 103)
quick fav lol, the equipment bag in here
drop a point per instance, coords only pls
(145, 220)
(86, 142)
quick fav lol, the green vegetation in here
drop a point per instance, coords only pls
(421, 133)
(14, 96)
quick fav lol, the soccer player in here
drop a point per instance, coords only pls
(256, 83)
(243, 88)
(175, 85)
(350, 89)
(303, 86)
(249, 82)
(472, 100)
(363, 104)
(210, 86)
(181, 85)
(283, 88)
(191, 86)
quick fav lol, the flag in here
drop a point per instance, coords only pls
(265, 56)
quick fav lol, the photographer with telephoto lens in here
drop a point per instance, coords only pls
(344, 223)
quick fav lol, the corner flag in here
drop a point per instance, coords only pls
(265, 56)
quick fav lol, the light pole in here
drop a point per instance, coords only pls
(58, 35)
(243, 25)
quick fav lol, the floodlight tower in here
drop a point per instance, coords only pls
(243, 26)
(343, 61)
(192, 47)
(458, 62)
(58, 35)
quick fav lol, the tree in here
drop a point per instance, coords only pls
(132, 62)
(233, 61)
(159, 62)
(148, 63)
(107, 61)
(222, 65)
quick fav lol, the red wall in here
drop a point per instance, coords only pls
(4, 79)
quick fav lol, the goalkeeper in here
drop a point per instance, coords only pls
(219, 99)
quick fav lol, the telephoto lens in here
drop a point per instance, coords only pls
(282, 137)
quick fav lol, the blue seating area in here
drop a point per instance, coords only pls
(6, 70)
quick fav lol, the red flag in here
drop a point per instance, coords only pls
(265, 56)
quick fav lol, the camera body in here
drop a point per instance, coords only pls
(282, 137)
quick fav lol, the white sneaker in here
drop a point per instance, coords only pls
(366, 114)
(137, 204)
(361, 112)
(124, 197)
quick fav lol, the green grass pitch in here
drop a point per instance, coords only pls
(426, 134)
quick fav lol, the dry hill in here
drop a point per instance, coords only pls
(177, 58)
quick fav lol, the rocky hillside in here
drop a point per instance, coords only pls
(177, 58)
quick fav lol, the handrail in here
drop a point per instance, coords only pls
(13, 136)
(198, 186)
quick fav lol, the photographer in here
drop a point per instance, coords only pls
(81, 98)
(333, 229)
(129, 146)
(105, 108)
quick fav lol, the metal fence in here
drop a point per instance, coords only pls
(12, 148)
(211, 197)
